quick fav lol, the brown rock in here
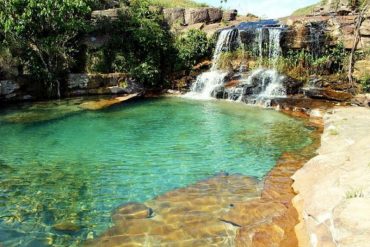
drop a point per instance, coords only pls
(215, 15)
(174, 15)
(67, 227)
(324, 93)
(199, 15)
(132, 211)
(230, 15)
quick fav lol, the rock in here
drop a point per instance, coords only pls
(107, 13)
(361, 100)
(292, 86)
(132, 211)
(104, 103)
(174, 15)
(77, 81)
(199, 15)
(8, 87)
(334, 206)
(361, 69)
(67, 226)
(215, 14)
(230, 15)
(96, 84)
(329, 94)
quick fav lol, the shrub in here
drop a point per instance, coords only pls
(192, 47)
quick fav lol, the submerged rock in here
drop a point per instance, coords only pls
(67, 226)
(132, 211)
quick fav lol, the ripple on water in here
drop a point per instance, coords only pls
(61, 178)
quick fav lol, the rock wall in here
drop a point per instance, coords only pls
(334, 187)
(337, 28)
(97, 84)
(179, 16)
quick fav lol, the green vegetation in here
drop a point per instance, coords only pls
(43, 35)
(45, 39)
(354, 193)
(178, 3)
(192, 47)
(305, 10)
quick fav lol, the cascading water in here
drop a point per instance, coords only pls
(262, 84)
(274, 45)
(206, 83)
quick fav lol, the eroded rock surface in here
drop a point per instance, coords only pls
(226, 210)
(334, 187)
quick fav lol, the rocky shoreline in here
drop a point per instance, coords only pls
(333, 187)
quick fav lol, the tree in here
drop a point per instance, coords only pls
(44, 34)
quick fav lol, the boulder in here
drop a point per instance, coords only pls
(132, 211)
(67, 226)
(328, 94)
(96, 84)
(230, 15)
(215, 15)
(8, 88)
(174, 15)
(77, 81)
(292, 86)
(193, 16)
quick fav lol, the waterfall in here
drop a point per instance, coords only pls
(259, 42)
(274, 45)
(262, 84)
(205, 85)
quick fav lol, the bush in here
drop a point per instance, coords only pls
(45, 35)
(192, 47)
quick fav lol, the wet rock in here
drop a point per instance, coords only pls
(104, 103)
(132, 211)
(328, 94)
(292, 86)
(174, 15)
(67, 226)
(196, 15)
(8, 89)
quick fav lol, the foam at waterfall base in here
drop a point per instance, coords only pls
(205, 85)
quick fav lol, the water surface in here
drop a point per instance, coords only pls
(72, 168)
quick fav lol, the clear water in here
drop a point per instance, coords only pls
(79, 165)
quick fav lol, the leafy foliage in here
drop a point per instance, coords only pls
(44, 33)
(139, 45)
(192, 47)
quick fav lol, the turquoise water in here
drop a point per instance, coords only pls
(61, 165)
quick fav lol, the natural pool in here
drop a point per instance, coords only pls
(64, 170)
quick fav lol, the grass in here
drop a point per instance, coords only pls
(305, 10)
(178, 3)
(354, 193)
